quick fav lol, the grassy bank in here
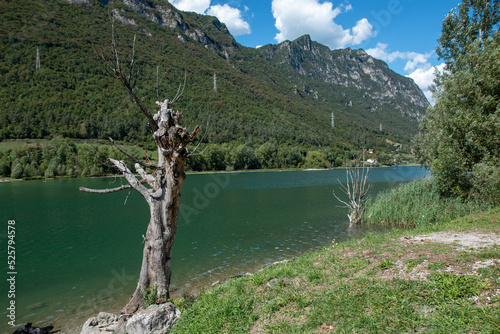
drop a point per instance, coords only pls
(396, 282)
(417, 203)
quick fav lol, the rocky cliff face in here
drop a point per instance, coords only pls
(350, 68)
(206, 30)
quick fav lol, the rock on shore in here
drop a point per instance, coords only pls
(156, 319)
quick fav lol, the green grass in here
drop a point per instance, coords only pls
(347, 286)
(386, 264)
(438, 266)
(417, 203)
(14, 145)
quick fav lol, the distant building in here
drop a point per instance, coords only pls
(372, 161)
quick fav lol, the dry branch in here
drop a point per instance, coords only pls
(356, 188)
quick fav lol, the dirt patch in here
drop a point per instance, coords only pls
(463, 240)
(425, 254)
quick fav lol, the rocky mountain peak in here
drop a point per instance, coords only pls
(203, 29)
(353, 69)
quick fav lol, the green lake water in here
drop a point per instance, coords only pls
(79, 253)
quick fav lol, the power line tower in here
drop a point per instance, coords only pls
(37, 66)
(215, 82)
(380, 126)
(333, 120)
(157, 69)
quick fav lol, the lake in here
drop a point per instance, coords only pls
(79, 253)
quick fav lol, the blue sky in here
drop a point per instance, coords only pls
(403, 33)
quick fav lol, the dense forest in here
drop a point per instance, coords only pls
(66, 158)
(255, 115)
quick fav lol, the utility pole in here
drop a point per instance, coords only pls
(37, 66)
(157, 68)
(380, 126)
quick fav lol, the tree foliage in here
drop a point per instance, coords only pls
(60, 158)
(462, 130)
(472, 21)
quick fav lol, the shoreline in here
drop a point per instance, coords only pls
(73, 325)
(9, 179)
(325, 286)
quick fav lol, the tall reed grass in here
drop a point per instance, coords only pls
(417, 203)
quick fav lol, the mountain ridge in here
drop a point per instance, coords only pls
(349, 68)
(258, 99)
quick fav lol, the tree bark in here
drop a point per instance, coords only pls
(155, 271)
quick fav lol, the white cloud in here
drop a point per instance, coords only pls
(231, 17)
(414, 59)
(417, 66)
(361, 31)
(198, 6)
(295, 18)
(424, 77)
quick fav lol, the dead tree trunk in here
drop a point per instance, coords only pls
(163, 197)
(355, 188)
(161, 188)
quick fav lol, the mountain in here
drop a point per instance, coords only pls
(350, 68)
(342, 76)
(283, 93)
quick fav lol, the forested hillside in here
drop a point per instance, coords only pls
(53, 84)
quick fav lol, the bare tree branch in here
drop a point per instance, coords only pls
(132, 59)
(145, 111)
(115, 71)
(201, 140)
(131, 178)
(356, 188)
(145, 176)
(179, 92)
(131, 157)
(109, 190)
(105, 191)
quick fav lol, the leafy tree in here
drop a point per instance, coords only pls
(243, 157)
(17, 171)
(315, 159)
(266, 154)
(473, 20)
(292, 157)
(4, 169)
(215, 156)
(462, 129)
(385, 159)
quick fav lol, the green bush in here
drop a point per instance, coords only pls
(150, 295)
(486, 183)
(4, 169)
(17, 171)
(315, 159)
